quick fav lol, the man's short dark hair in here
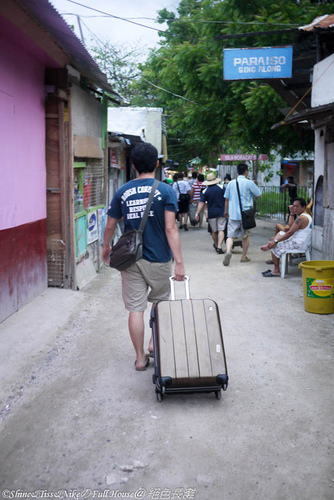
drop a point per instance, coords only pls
(180, 175)
(242, 167)
(302, 201)
(144, 157)
(194, 175)
(200, 177)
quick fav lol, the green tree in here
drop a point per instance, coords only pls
(119, 63)
(212, 115)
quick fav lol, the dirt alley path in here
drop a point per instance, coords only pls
(76, 416)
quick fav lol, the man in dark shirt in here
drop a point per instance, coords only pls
(160, 243)
(213, 195)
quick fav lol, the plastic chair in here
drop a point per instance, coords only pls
(284, 259)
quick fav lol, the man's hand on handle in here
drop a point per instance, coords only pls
(179, 272)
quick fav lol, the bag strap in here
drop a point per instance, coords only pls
(239, 195)
(148, 206)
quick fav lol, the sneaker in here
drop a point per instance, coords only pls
(181, 227)
(219, 250)
(185, 227)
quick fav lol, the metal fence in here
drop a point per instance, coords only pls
(274, 203)
(56, 263)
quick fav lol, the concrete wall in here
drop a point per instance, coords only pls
(328, 243)
(22, 133)
(154, 128)
(319, 169)
(322, 86)
(86, 114)
(323, 93)
(23, 272)
(145, 123)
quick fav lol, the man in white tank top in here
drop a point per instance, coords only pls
(298, 237)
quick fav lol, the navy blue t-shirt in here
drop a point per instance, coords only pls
(214, 196)
(129, 202)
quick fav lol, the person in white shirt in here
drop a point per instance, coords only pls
(297, 237)
(182, 190)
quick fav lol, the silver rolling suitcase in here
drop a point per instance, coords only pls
(189, 354)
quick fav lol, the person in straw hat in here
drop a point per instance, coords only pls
(213, 195)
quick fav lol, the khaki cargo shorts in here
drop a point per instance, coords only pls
(138, 278)
(217, 224)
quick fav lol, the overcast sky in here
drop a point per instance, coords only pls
(117, 31)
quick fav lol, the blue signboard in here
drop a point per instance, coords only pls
(264, 63)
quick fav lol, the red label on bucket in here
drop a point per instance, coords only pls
(320, 288)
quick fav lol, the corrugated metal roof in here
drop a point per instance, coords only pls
(48, 17)
(321, 22)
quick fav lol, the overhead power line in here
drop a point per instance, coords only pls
(169, 92)
(112, 15)
(183, 20)
(254, 33)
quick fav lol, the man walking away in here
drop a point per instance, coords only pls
(248, 191)
(182, 191)
(193, 179)
(160, 243)
(213, 195)
(196, 191)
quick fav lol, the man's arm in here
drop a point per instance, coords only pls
(226, 207)
(199, 208)
(255, 190)
(108, 234)
(281, 237)
(191, 195)
(173, 239)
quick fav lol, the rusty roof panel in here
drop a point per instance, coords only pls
(321, 22)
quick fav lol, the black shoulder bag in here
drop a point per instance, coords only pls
(247, 216)
(184, 197)
(129, 247)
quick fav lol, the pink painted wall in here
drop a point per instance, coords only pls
(23, 252)
(22, 130)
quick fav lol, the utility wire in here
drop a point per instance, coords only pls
(115, 17)
(197, 21)
(95, 37)
(169, 92)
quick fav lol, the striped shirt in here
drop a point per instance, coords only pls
(197, 187)
(248, 191)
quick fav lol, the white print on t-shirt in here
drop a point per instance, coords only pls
(136, 208)
(137, 215)
(138, 189)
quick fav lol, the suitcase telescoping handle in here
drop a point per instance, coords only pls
(172, 287)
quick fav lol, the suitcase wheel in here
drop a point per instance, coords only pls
(218, 394)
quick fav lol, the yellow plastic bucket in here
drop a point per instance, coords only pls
(318, 281)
